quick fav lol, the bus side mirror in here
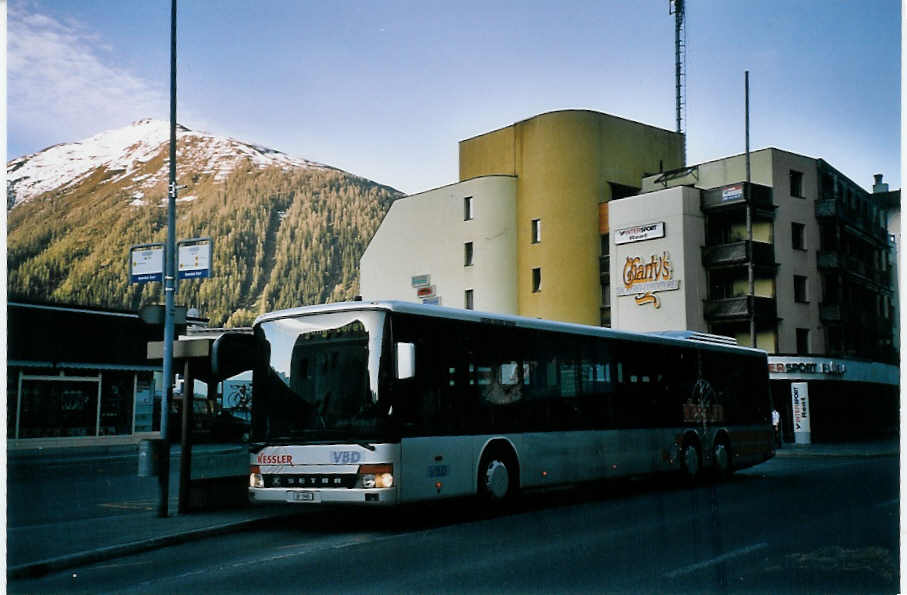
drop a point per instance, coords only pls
(406, 360)
(233, 353)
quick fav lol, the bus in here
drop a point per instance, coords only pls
(382, 403)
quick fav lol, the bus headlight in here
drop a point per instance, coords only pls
(255, 479)
(376, 476)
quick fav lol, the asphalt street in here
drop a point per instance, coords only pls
(792, 525)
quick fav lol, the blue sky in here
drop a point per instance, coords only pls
(387, 89)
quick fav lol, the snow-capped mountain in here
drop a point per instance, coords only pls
(131, 154)
(285, 231)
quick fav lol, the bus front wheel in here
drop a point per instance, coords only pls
(497, 480)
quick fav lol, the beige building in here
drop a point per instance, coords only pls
(537, 188)
(657, 279)
(823, 294)
(818, 245)
(454, 246)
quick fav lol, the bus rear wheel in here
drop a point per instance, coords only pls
(497, 480)
(691, 462)
(723, 462)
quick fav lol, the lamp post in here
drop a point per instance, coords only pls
(751, 288)
(169, 280)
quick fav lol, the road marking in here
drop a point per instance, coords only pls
(124, 564)
(136, 505)
(715, 561)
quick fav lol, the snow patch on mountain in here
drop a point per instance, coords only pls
(124, 151)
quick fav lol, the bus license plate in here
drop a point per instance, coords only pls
(301, 497)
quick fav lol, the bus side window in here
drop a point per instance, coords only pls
(596, 380)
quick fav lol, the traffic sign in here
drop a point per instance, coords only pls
(146, 263)
(194, 258)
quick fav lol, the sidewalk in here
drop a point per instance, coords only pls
(39, 549)
(882, 448)
(41, 546)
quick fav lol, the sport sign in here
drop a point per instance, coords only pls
(638, 233)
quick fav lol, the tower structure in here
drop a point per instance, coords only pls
(678, 9)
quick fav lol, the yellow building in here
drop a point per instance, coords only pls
(565, 165)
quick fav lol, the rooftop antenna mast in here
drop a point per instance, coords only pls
(678, 9)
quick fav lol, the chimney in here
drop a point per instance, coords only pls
(879, 186)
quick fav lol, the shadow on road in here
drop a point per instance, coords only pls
(432, 515)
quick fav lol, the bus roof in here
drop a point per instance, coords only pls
(688, 338)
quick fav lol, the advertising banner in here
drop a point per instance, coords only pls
(799, 398)
(638, 233)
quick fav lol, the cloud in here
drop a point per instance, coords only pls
(61, 85)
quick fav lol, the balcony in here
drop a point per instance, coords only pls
(606, 316)
(853, 266)
(604, 267)
(830, 312)
(827, 207)
(730, 196)
(738, 253)
(740, 308)
(828, 259)
(855, 221)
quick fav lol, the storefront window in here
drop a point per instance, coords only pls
(12, 398)
(58, 406)
(116, 403)
(144, 403)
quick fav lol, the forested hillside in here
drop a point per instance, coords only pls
(282, 238)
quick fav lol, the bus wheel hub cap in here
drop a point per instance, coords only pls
(497, 479)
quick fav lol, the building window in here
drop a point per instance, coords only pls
(802, 341)
(835, 343)
(536, 231)
(799, 289)
(467, 254)
(798, 236)
(468, 213)
(536, 280)
(469, 304)
(796, 183)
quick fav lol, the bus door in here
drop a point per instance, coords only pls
(435, 409)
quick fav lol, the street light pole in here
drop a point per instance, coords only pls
(749, 220)
(169, 278)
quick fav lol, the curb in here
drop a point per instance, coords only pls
(43, 567)
(796, 452)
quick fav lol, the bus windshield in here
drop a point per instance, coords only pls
(320, 378)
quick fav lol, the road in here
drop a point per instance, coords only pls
(72, 487)
(66, 488)
(819, 525)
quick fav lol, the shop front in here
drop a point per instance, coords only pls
(834, 399)
(79, 376)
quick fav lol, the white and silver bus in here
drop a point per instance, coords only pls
(388, 402)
